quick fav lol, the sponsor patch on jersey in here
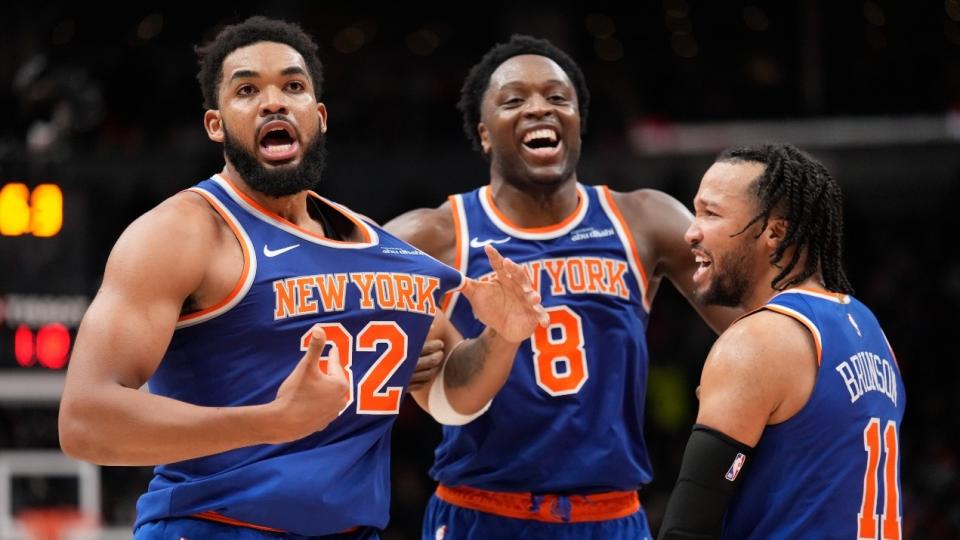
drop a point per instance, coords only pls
(441, 533)
(735, 467)
(590, 233)
(401, 251)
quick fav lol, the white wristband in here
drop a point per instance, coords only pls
(440, 408)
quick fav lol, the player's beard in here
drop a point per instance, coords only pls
(282, 180)
(731, 279)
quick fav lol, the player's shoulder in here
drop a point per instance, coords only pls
(430, 229)
(651, 210)
(183, 216)
(168, 247)
(644, 199)
(655, 214)
(180, 226)
(763, 341)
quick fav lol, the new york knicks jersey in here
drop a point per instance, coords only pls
(833, 469)
(375, 299)
(570, 417)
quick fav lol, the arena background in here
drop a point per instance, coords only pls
(102, 102)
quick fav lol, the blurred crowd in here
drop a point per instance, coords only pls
(107, 107)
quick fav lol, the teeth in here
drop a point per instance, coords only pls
(701, 259)
(278, 148)
(541, 134)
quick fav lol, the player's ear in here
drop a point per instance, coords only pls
(775, 233)
(322, 113)
(484, 138)
(213, 123)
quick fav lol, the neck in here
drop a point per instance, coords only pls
(533, 205)
(761, 295)
(292, 208)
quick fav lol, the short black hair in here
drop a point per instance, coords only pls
(802, 188)
(253, 30)
(478, 79)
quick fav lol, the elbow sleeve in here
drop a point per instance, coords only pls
(710, 473)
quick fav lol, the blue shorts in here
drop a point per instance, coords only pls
(445, 521)
(203, 529)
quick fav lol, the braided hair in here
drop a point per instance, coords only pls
(802, 188)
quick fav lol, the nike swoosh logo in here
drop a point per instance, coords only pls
(274, 252)
(476, 243)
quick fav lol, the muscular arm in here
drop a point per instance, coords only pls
(160, 260)
(761, 371)
(658, 223)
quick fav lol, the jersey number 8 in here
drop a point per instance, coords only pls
(559, 361)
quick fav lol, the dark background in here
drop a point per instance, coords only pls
(104, 102)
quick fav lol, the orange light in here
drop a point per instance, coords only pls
(22, 213)
(14, 210)
(53, 346)
(46, 216)
(23, 345)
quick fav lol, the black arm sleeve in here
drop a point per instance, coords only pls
(711, 470)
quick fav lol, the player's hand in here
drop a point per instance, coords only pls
(310, 397)
(428, 364)
(507, 303)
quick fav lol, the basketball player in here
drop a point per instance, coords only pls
(277, 329)
(559, 453)
(801, 400)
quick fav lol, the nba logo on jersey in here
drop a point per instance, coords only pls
(735, 467)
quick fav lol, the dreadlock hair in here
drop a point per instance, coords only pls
(253, 30)
(478, 79)
(802, 188)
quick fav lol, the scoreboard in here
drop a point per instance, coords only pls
(44, 288)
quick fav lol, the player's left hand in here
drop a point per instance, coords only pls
(428, 364)
(507, 303)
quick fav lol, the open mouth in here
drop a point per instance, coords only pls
(703, 265)
(544, 142)
(277, 142)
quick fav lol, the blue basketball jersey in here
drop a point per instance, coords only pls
(570, 417)
(833, 469)
(376, 300)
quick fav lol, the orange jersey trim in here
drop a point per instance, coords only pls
(840, 298)
(458, 255)
(802, 320)
(488, 194)
(357, 223)
(246, 261)
(593, 507)
(210, 515)
(634, 254)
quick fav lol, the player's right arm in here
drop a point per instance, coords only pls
(662, 221)
(163, 258)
